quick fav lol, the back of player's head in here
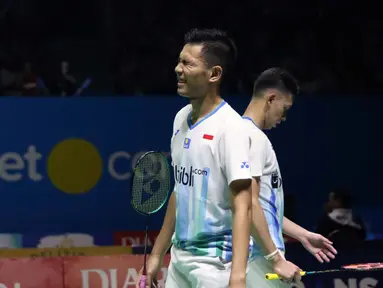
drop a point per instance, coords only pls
(276, 78)
(218, 49)
(343, 196)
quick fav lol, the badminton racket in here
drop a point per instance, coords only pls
(345, 268)
(150, 190)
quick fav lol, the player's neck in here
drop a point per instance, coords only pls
(256, 111)
(203, 106)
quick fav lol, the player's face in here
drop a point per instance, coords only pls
(192, 73)
(277, 106)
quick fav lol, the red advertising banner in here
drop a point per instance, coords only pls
(134, 238)
(31, 273)
(107, 271)
(75, 272)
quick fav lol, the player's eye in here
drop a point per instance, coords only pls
(183, 61)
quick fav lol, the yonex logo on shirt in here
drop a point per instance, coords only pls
(245, 165)
(185, 176)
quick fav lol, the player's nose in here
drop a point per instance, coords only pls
(178, 69)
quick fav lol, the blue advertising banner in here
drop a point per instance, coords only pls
(66, 164)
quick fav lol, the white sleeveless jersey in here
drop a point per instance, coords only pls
(264, 164)
(206, 158)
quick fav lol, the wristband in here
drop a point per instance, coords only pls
(271, 255)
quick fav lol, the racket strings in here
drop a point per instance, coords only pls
(151, 183)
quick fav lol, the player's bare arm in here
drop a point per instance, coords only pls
(320, 247)
(259, 230)
(293, 230)
(241, 207)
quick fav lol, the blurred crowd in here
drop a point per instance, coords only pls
(131, 49)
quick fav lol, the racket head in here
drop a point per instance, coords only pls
(151, 183)
(364, 266)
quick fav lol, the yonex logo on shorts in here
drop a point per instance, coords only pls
(185, 176)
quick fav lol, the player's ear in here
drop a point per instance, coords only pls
(271, 97)
(215, 74)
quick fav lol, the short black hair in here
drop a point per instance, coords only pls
(218, 48)
(343, 195)
(276, 78)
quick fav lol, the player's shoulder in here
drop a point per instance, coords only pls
(255, 133)
(230, 118)
(253, 129)
(183, 113)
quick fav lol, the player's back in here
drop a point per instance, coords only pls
(204, 218)
(271, 190)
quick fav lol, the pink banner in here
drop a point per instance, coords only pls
(31, 273)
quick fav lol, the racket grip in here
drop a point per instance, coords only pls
(274, 276)
(143, 281)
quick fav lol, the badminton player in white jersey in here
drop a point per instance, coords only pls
(273, 95)
(209, 213)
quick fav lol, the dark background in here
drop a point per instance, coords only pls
(131, 47)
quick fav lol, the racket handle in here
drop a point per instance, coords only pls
(274, 276)
(143, 281)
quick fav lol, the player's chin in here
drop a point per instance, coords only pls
(182, 92)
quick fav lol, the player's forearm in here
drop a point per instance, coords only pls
(260, 230)
(293, 230)
(164, 238)
(241, 233)
(259, 227)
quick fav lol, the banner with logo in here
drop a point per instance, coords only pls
(31, 273)
(134, 238)
(64, 252)
(66, 164)
(105, 272)
(75, 272)
(66, 240)
(350, 254)
(122, 272)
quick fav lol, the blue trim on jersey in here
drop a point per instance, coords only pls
(274, 218)
(202, 208)
(182, 223)
(252, 121)
(190, 124)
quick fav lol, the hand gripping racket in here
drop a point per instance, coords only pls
(150, 190)
(351, 267)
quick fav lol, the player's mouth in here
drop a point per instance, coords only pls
(181, 82)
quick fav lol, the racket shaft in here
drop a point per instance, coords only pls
(146, 244)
